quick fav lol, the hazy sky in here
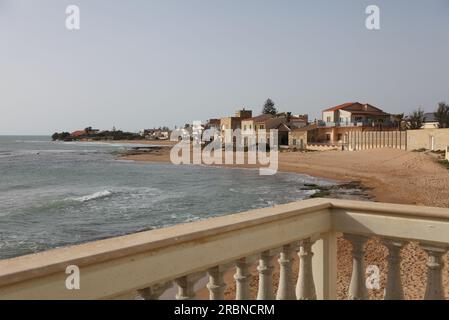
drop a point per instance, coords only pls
(138, 64)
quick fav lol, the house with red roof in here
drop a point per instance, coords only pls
(354, 114)
(337, 123)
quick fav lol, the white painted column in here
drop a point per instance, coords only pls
(265, 269)
(434, 287)
(305, 287)
(357, 287)
(242, 279)
(286, 289)
(153, 292)
(216, 283)
(393, 289)
(324, 266)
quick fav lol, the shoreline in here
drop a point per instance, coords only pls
(387, 175)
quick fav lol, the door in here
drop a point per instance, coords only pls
(432, 143)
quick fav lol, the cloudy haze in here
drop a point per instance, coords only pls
(138, 64)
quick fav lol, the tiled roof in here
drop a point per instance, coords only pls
(78, 133)
(341, 106)
(357, 107)
(261, 118)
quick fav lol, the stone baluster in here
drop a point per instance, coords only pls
(393, 289)
(265, 269)
(357, 286)
(153, 292)
(186, 285)
(242, 279)
(286, 290)
(216, 284)
(434, 287)
(305, 287)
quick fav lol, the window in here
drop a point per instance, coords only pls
(294, 142)
(262, 126)
(328, 137)
(328, 119)
(339, 137)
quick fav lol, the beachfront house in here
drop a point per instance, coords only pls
(283, 122)
(337, 122)
(354, 114)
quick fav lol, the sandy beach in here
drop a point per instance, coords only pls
(394, 176)
(391, 175)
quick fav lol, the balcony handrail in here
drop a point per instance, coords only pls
(115, 266)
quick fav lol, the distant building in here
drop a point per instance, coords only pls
(430, 122)
(155, 134)
(235, 122)
(213, 124)
(85, 132)
(78, 133)
(283, 122)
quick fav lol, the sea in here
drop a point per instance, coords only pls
(55, 194)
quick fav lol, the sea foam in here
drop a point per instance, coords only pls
(94, 196)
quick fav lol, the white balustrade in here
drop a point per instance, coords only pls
(357, 286)
(305, 287)
(286, 289)
(186, 284)
(178, 253)
(265, 269)
(243, 278)
(434, 287)
(393, 289)
(153, 292)
(216, 283)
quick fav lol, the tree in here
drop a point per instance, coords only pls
(398, 120)
(269, 107)
(416, 119)
(442, 115)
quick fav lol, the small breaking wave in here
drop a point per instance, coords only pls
(93, 196)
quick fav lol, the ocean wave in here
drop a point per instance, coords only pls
(93, 196)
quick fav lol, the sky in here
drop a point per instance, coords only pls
(141, 64)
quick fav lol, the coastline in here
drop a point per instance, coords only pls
(390, 175)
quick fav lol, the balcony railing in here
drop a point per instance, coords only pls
(147, 263)
(385, 123)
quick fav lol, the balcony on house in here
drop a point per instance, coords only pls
(363, 123)
(146, 264)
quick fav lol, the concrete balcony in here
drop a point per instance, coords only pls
(146, 263)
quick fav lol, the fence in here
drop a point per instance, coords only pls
(362, 140)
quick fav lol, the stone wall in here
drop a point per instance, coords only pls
(430, 139)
